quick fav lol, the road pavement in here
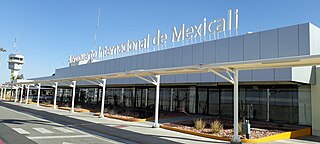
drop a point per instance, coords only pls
(87, 128)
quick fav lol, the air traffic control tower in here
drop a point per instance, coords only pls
(15, 63)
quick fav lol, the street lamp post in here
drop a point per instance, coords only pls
(2, 50)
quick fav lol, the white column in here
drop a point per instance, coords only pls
(156, 113)
(21, 94)
(55, 95)
(1, 93)
(39, 90)
(235, 138)
(16, 95)
(103, 98)
(73, 94)
(5, 94)
(27, 99)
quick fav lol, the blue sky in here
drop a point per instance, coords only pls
(48, 31)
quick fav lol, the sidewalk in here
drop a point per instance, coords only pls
(143, 128)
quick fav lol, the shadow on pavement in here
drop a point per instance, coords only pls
(310, 138)
(16, 121)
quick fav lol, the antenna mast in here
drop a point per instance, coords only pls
(95, 34)
(14, 45)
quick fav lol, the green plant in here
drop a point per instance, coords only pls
(199, 124)
(216, 126)
(67, 105)
(78, 106)
(240, 127)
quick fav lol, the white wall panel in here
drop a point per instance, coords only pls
(283, 74)
(209, 50)
(304, 39)
(160, 59)
(133, 62)
(236, 48)
(111, 66)
(177, 59)
(245, 75)
(288, 41)
(252, 46)
(107, 65)
(187, 55)
(139, 61)
(153, 60)
(263, 75)
(146, 61)
(269, 44)
(222, 50)
(197, 54)
(207, 77)
(168, 62)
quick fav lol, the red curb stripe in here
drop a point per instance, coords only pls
(119, 126)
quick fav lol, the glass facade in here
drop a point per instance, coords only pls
(275, 103)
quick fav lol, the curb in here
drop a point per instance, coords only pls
(281, 136)
(75, 110)
(45, 105)
(123, 119)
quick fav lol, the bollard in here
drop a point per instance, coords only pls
(246, 129)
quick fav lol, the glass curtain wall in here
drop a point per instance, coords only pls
(277, 103)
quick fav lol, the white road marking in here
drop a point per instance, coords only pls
(20, 131)
(65, 130)
(42, 130)
(66, 143)
(57, 137)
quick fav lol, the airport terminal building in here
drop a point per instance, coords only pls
(283, 95)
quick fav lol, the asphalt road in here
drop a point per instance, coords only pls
(29, 126)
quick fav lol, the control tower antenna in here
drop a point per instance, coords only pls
(95, 33)
(14, 45)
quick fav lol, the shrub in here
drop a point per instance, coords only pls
(78, 106)
(240, 127)
(216, 126)
(199, 124)
(67, 105)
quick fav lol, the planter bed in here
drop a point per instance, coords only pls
(260, 131)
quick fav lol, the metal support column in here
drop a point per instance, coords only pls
(235, 138)
(55, 95)
(156, 115)
(27, 99)
(21, 94)
(73, 94)
(103, 97)
(39, 90)
(155, 80)
(16, 95)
